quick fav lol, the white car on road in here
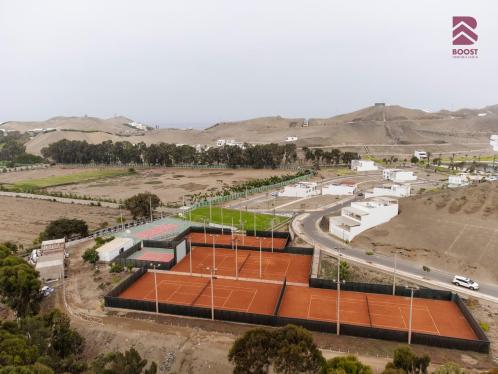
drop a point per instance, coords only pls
(465, 282)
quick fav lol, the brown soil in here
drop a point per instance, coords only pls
(21, 220)
(170, 184)
(459, 226)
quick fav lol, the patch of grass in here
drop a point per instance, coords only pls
(369, 253)
(263, 221)
(484, 326)
(80, 177)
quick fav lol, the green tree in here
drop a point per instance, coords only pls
(140, 205)
(252, 353)
(450, 368)
(344, 271)
(346, 365)
(91, 256)
(414, 160)
(65, 228)
(405, 359)
(118, 363)
(296, 351)
(19, 285)
(289, 349)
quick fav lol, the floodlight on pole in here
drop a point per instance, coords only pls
(212, 273)
(236, 260)
(222, 219)
(260, 259)
(155, 287)
(190, 255)
(394, 275)
(338, 291)
(411, 315)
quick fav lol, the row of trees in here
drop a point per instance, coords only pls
(333, 157)
(164, 154)
(291, 349)
(13, 151)
(46, 344)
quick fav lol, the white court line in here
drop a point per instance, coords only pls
(432, 319)
(253, 297)
(403, 318)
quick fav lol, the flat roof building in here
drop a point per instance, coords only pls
(363, 165)
(361, 216)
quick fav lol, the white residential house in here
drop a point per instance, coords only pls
(339, 189)
(494, 142)
(421, 155)
(363, 165)
(393, 190)
(361, 216)
(112, 249)
(301, 189)
(398, 175)
(458, 180)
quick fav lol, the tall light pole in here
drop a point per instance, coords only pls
(222, 219)
(190, 254)
(205, 236)
(394, 275)
(212, 271)
(260, 258)
(338, 290)
(155, 287)
(231, 230)
(214, 254)
(150, 207)
(411, 315)
(272, 235)
(254, 223)
(236, 260)
(210, 212)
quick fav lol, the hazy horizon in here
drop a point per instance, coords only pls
(195, 63)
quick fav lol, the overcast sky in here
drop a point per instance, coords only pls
(200, 62)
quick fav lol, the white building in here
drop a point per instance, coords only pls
(393, 190)
(458, 180)
(229, 142)
(138, 126)
(301, 189)
(50, 267)
(421, 155)
(398, 175)
(339, 189)
(361, 216)
(291, 139)
(111, 249)
(53, 245)
(494, 142)
(363, 165)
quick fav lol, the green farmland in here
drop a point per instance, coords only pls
(80, 177)
(263, 221)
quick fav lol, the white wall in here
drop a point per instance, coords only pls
(378, 213)
(110, 250)
(396, 190)
(338, 189)
(299, 190)
(363, 165)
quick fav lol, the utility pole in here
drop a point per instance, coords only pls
(150, 207)
(394, 275)
(411, 316)
(338, 290)
(212, 271)
(155, 288)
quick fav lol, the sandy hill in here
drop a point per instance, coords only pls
(455, 228)
(115, 125)
(392, 129)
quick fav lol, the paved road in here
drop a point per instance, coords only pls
(306, 226)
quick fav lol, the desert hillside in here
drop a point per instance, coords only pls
(454, 227)
(391, 129)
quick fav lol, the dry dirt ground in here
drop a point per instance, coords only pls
(170, 184)
(188, 345)
(21, 220)
(459, 226)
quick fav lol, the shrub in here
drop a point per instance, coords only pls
(116, 268)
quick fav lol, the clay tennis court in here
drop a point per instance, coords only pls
(436, 317)
(226, 239)
(249, 297)
(157, 231)
(153, 254)
(274, 266)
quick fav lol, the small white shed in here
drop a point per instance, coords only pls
(110, 250)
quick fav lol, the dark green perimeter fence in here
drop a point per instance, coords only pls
(481, 344)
